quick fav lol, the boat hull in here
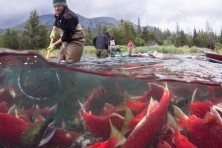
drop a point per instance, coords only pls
(213, 57)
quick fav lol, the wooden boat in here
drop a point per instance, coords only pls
(213, 57)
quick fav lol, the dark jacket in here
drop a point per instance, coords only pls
(101, 41)
(68, 22)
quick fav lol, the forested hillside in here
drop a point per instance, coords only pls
(34, 33)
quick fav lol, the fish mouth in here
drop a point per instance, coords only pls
(38, 134)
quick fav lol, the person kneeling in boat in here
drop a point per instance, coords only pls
(101, 43)
(72, 34)
(114, 49)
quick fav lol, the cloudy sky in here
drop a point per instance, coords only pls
(164, 14)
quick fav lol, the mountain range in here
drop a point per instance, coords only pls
(92, 23)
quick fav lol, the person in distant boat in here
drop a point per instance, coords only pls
(112, 41)
(71, 32)
(113, 47)
(101, 43)
(130, 47)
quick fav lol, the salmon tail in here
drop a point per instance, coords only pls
(194, 95)
(180, 117)
(116, 133)
(171, 121)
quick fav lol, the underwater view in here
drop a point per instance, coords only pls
(125, 102)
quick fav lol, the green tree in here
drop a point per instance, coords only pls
(101, 29)
(211, 40)
(10, 39)
(181, 39)
(145, 35)
(220, 38)
(166, 34)
(0, 39)
(127, 30)
(203, 38)
(177, 28)
(88, 37)
(195, 40)
(35, 35)
(115, 32)
(138, 27)
(139, 42)
(166, 37)
(158, 36)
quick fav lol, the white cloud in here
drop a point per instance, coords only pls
(160, 13)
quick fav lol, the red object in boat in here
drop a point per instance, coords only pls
(213, 57)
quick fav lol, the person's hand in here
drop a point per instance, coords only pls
(51, 47)
(52, 35)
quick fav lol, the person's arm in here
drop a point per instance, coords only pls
(59, 41)
(53, 32)
(52, 45)
(70, 21)
(115, 42)
(55, 28)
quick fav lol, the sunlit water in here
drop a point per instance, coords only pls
(37, 81)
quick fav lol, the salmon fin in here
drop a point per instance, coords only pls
(54, 108)
(11, 91)
(126, 96)
(194, 95)
(152, 105)
(12, 110)
(81, 105)
(213, 117)
(179, 113)
(128, 117)
(116, 133)
(171, 121)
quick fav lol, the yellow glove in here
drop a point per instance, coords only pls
(53, 34)
(51, 47)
